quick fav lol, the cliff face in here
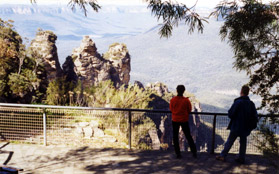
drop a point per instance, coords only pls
(87, 65)
(45, 51)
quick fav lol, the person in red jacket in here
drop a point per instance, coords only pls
(180, 108)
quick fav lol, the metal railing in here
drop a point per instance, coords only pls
(110, 127)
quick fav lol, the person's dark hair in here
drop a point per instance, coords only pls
(180, 89)
(245, 90)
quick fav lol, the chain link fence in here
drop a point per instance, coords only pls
(112, 127)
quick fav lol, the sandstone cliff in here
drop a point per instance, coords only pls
(45, 51)
(87, 65)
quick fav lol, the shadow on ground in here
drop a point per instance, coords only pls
(90, 160)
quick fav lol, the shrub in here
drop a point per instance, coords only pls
(268, 140)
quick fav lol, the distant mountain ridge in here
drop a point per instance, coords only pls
(200, 61)
(111, 16)
(32, 9)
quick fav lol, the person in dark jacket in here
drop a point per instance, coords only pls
(240, 113)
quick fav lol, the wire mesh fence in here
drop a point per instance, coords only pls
(222, 133)
(21, 124)
(151, 130)
(119, 128)
(87, 128)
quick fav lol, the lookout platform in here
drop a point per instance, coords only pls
(85, 160)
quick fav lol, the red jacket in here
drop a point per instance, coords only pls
(180, 107)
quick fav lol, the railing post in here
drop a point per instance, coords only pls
(45, 127)
(213, 135)
(130, 130)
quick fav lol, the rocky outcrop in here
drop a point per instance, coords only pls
(160, 88)
(91, 130)
(119, 56)
(44, 49)
(139, 84)
(69, 70)
(87, 65)
(154, 139)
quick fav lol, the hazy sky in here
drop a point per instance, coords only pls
(201, 3)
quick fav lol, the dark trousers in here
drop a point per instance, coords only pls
(186, 131)
(242, 148)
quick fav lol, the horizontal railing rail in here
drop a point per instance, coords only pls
(93, 108)
(117, 109)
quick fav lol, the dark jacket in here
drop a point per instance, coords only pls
(240, 112)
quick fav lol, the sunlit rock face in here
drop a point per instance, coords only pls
(44, 50)
(89, 65)
(92, 68)
(160, 88)
(120, 58)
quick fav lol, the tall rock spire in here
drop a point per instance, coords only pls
(120, 58)
(45, 51)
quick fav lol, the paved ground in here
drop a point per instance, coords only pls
(85, 160)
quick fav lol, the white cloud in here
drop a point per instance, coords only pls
(232, 92)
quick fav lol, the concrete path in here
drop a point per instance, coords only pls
(85, 160)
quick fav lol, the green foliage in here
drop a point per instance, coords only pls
(83, 3)
(116, 54)
(10, 43)
(9, 34)
(141, 130)
(17, 74)
(268, 142)
(173, 13)
(252, 31)
(23, 77)
(52, 36)
(56, 93)
(106, 95)
(21, 84)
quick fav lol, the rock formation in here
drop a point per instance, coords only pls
(44, 49)
(160, 88)
(86, 64)
(91, 68)
(119, 56)
(68, 69)
(139, 84)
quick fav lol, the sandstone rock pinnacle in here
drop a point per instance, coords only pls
(44, 48)
(92, 68)
(120, 58)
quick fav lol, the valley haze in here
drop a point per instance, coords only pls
(202, 62)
